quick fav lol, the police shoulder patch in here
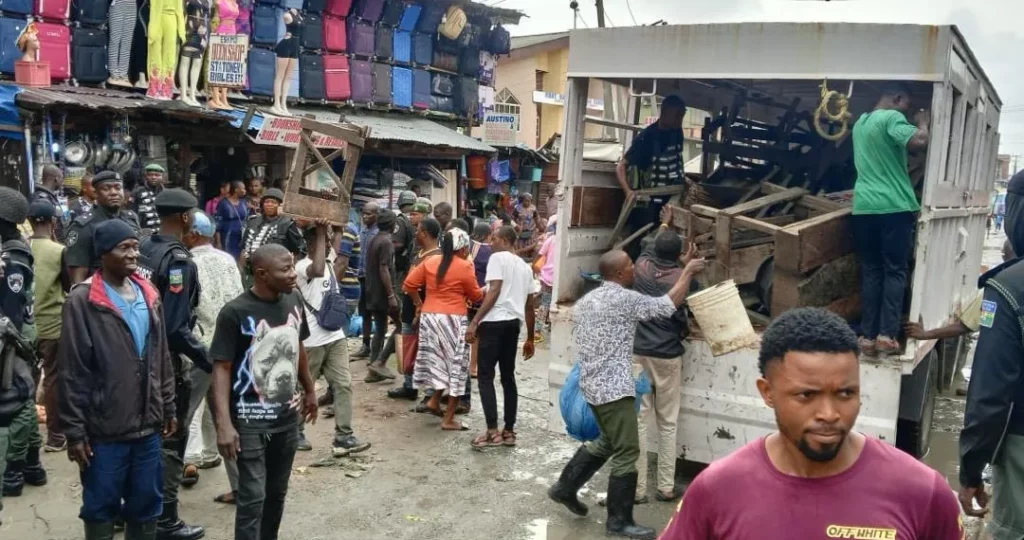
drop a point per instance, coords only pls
(988, 313)
(176, 280)
(15, 282)
(72, 238)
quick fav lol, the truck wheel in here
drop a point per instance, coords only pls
(914, 436)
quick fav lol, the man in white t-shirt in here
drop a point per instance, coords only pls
(327, 350)
(510, 300)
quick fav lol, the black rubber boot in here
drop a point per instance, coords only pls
(621, 492)
(403, 392)
(169, 527)
(34, 473)
(140, 531)
(99, 531)
(14, 479)
(580, 468)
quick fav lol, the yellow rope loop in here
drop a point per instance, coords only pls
(841, 115)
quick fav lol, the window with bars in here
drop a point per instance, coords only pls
(506, 103)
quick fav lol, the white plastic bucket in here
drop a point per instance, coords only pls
(722, 318)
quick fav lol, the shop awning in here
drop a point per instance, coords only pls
(10, 119)
(108, 100)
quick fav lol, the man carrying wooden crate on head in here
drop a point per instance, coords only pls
(885, 212)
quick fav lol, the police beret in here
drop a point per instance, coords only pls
(41, 210)
(13, 205)
(155, 167)
(104, 177)
(273, 193)
(174, 201)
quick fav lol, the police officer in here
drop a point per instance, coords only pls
(81, 260)
(994, 416)
(271, 227)
(143, 198)
(19, 425)
(49, 189)
(165, 261)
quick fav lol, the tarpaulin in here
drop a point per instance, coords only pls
(10, 121)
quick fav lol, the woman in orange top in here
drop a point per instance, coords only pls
(442, 361)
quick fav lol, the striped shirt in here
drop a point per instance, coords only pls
(350, 248)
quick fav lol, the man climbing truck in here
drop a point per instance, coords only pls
(772, 208)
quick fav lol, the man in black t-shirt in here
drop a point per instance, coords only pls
(380, 293)
(258, 357)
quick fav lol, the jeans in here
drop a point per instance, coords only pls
(380, 320)
(884, 243)
(51, 377)
(130, 471)
(331, 360)
(499, 343)
(618, 441)
(264, 467)
(664, 401)
(24, 432)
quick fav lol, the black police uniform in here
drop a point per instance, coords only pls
(79, 236)
(260, 231)
(16, 286)
(143, 202)
(41, 193)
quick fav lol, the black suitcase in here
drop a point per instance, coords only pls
(443, 104)
(469, 62)
(315, 6)
(430, 17)
(467, 97)
(384, 49)
(442, 85)
(88, 55)
(382, 84)
(311, 77)
(90, 12)
(313, 32)
(393, 10)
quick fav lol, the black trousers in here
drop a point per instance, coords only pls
(380, 319)
(264, 468)
(499, 343)
(884, 243)
(173, 447)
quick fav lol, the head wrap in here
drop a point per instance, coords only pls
(203, 225)
(460, 238)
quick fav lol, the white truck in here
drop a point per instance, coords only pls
(707, 65)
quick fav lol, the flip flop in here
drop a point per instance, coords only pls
(215, 462)
(462, 427)
(189, 475)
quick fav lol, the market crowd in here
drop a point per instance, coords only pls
(165, 337)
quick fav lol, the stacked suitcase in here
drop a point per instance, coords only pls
(267, 25)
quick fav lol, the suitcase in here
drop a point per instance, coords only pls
(89, 54)
(401, 87)
(275, 3)
(262, 65)
(368, 10)
(410, 17)
(90, 12)
(55, 48)
(442, 104)
(315, 6)
(52, 10)
(381, 84)
(334, 34)
(420, 89)
(442, 85)
(488, 65)
(20, 7)
(265, 25)
(402, 48)
(338, 8)
(313, 32)
(311, 77)
(446, 61)
(10, 29)
(337, 83)
(392, 14)
(360, 38)
(469, 62)
(467, 97)
(291, 4)
(294, 85)
(430, 17)
(384, 42)
(422, 49)
(361, 78)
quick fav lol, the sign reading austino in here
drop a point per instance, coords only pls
(500, 128)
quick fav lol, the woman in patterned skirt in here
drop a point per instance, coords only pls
(442, 361)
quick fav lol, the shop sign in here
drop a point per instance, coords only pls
(228, 53)
(554, 98)
(500, 128)
(280, 131)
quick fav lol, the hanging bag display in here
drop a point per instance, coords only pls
(454, 22)
(499, 41)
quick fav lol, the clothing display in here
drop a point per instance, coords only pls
(121, 19)
(227, 17)
(289, 46)
(166, 32)
(197, 28)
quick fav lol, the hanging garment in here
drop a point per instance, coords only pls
(122, 18)
(197, 28)
(166, 31)
(140, 40)
(227, 17)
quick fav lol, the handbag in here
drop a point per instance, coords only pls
(333, 313)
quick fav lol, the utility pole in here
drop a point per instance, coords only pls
(606, 87)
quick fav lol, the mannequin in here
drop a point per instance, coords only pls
(139, 57)
(28, 43)
(287, 56)
(166, 33)
(225, 23)
(197, 32)
(121, 21)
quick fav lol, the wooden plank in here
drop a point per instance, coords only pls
(746, 261)
(723, 247)
(350, 133)
(811, 202)
(806, 245)
(595, 206)
(767, 200)
(620, 223)
(659, 191)
(705, 211)
(611, 123)
(817, 220)
(633, 236)
(744, 222)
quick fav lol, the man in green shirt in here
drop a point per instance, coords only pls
(884, 212)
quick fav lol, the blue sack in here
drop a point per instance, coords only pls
(580, 422)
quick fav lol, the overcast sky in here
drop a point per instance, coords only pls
(992, 29)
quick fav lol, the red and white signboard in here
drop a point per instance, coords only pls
(280, 131)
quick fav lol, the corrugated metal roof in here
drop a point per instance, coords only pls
(108, 99)
(408, 128)
(521, 42)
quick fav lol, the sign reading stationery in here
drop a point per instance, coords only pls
(228, 53)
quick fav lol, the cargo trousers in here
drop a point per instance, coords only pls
(619, 442)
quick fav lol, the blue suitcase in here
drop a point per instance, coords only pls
(287, 4)
(262, 64)
(402, 49)
(410, 17)
(10, 29)
(21, 7)
(422, 49)
(420, 89)
(401, 87)
(294, 83)
(265, 25)
(313, 32)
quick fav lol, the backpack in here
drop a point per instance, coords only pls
(499, 41)
(454, 23)
(333, 313)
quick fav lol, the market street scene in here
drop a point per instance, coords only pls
(405, 269)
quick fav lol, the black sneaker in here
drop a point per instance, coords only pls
(304, 444)
(373, 377)
(403, 392)
(326, 399)
(363, 353)
(348, 445)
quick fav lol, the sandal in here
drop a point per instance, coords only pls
(190, 475)
(213, 463)
(675, 494)
(487, 439)
(508, 437)
(225, 498)
(458, 427)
